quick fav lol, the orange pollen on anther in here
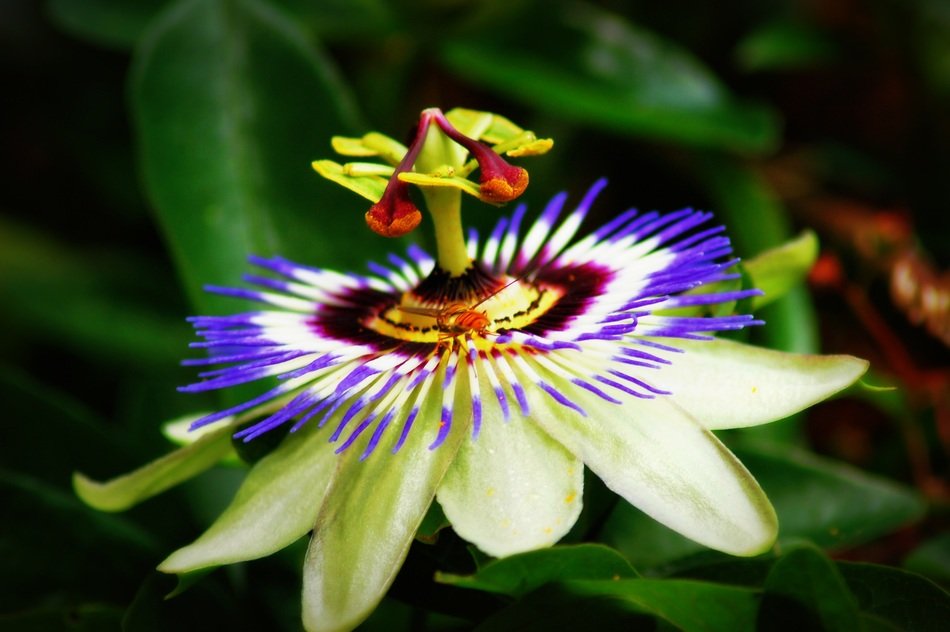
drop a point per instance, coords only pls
(505, 187)
(395, 214)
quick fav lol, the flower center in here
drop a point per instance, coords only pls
(444, 308)
(459, 299)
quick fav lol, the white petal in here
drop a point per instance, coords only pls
(370, 516)
(512, 489)
(276, 505)
(659, 459)
(725, 384)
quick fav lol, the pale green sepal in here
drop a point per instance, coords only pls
(371, 513)
(186, 581)
(370, 187)
(513, 489)
(447, 180)
(875, 388)
(714, 309)
(276, 504)
(153, 478)
(727, 384)
(778, 270)
(775, 272)
(664, 462)
(180, 433)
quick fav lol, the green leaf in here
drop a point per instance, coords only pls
(645, 543)
(48, 534)
(615, 605)
(432, 524)
(805, 591)
(713, 566)
(91, 617)
(686, 604)
(397, 616)
(91, 300)
(110, 23)
(908, 601)
(556, 608)
(932, 24)
(829, 503)
(67, 426)
(520, 574)
(932, 558)
(276, 505)
(227, 139)
(779, 269)
(785, 45)
(209, 605)
(184, 463)
(832, 504)
(344, 21)
(581, 63)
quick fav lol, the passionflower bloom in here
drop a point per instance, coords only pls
(487, 375)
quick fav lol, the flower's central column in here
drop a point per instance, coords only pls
(439, 153)
(445, 206)
(440, 159)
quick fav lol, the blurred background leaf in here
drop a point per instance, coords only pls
(804, 589)
(227, 139)
(785, 45)
(92, 302)
(581, 63)
(109, 23)
(932, 558)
